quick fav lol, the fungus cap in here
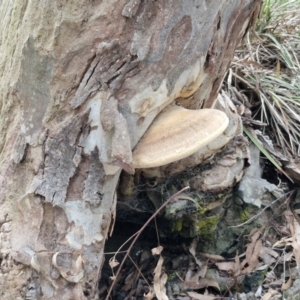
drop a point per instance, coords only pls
(177, 133)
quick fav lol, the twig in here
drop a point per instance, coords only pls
(110, 253)
(138, 234)
(139, 271)
(258, 214)
(158, 241)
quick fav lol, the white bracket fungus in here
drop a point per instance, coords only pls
(178, 133)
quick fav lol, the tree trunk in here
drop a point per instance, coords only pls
(81, 81)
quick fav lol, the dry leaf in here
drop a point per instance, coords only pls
(271, 252)
(150, 295)
(188, 275)
(192, 276)
(262, 267)
(199, 274)
(226, 266)
(157, 250)
(237, 269)
(159, 281)
(269, 294)
(200, 284)
(287, 285)
(285, 241)
(192, 250)
(278, 282)
(197, 296)
(296, 241)
(295, 231)
(252, 253)
(113, 262)
(287, 257)
(213, 256)
(266, 257)
(258, 292)
(253, 262)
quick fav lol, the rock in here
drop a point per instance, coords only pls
(293, 292)
(252, 188)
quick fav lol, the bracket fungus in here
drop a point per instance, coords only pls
(176, 134)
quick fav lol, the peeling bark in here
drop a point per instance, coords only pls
(62, 155)
(81, 81)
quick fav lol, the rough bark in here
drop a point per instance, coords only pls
(81, 81)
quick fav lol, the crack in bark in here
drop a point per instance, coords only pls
(93, 70)
(108, 70)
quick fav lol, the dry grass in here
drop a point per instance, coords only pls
(267, 69)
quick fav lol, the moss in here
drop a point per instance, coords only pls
(244, 216)
(172, 276)
(202, 210)
(177, 225)
(195, 224)
(207, 226)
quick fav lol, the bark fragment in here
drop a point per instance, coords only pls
(59, 166)
(93, 185)
(131, 8)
